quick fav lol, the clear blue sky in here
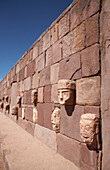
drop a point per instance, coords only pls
(21, 23)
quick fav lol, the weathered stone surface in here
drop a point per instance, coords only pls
(92, 35)
(70, 121)
(54, 73)
(14, 94)
(21, 84)
(54, 34)
(35, 80)
(27, 83)
(90, 60)
(64, 25)
(47, 136)
(35, 115)
(30, 127)
(57, 51)
(69, 66)
(88, 91)
(31, 68)
(17, 68)
(49, 56)
(47, 94)
(69, 148)
(35, 51)
(55, 120)
(29, 114)
(19, 111)
(79, 38)
(40, 46)
(92, 109)
(40, 94)
(46, 41)
(54, 94)
(27, 97)
(82, 10)
(88, 158)
(44, 115)
(47, 75)
(40, 61)
(21, 74)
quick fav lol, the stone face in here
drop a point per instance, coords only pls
(57, 51)
(55, 119)
(88, 91)
(40, 61)
(88, 158)
(54, 73)
(47, 94)
(27, 83)
(54, 94)
(69, 148)
(47, 136)
(40, 94)
(14, 110)
(82, 10)
(31, 68)
(90, 60)
(79, 38)
(66, 92)
(35, 80)
(69, 66)
(89, 129)
(29, 114)
(46, 41)
(70, 121)
(35, 51)
(64, 25)
(92, 35)
(54, 34)
(49, 56)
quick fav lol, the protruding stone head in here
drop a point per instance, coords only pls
(66, 92)
(14, 110)
(55, 119)
(35, 115)
(34, 97)
(89, 129)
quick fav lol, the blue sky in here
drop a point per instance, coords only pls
(21, 23)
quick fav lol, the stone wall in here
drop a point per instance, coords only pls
(69, 49)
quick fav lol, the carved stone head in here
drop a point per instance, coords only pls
(14, 110)
(89, 129)
(55, 119)
(35, 115)
(34, 97)
(66, 92)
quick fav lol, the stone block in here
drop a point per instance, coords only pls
(64, 25)
(31, 68)
(27, 97)
(25, 72)
(21, 84)
(47, 75)
(88, 158)
(21, 74)
(57, 51)
(70, 121)
(79, 38)
(40, 94)
(90, 60)
(92, 109)
(69, 66)
(18, 67)
(35, 80)
(14, 94)
(92, 35)
(29, 114)
(54, 34)
(69, 149)
(49, 56)
(54, 94)
(35, 51)
(46, 41)
(40, 46)
(30, 127)
(82, 10)
(40, 114)
(42, 78)
(31, 54)
(54, 73)
(19, 111)
(15, 78)
(47, 136)
(40, 61)
(27, 83)
(47, 94)
(88, 91)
